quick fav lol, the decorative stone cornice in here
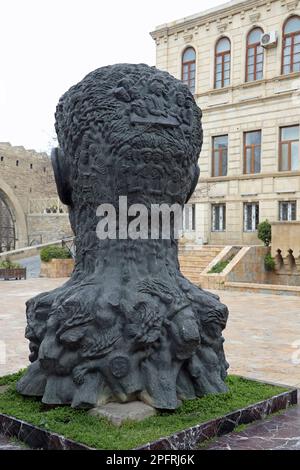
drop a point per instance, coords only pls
(188, 37)
(290, 5)
(222, 15)
(274, 174)
(221, 26)
(254, 15)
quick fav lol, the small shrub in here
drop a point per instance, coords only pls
(220, 266)
(264, 232)
(7, 264)
(54, 252)
(269, 262)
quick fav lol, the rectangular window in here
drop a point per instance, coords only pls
(219, 157)
(218, 217)
(289, 148)
(189, 218)
(252, 152)
(287, 210)
(251, 216)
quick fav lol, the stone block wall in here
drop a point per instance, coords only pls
(27, 172)
(249, 266)
(57, 268)
(43, 228)
(285, 237)
(26, 177)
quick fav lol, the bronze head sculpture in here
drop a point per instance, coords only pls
(127, 325)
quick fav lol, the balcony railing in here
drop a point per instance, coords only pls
(47, 206)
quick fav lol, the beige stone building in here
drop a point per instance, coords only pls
(242, 62)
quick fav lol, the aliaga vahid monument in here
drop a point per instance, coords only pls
(127, 325)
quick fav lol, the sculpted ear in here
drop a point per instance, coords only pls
(61, 174)
(194, 183)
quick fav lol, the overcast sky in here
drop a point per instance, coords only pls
(49, 45)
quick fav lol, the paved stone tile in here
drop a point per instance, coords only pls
(13, 295)
(261, 334)
(281, 432)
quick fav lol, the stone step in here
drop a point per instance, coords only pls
(198, 256)
(192, 272)
(198, 252)
(194, 261)
(263, 288)
(197, 266)
(187, 262)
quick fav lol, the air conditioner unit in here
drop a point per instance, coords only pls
(269, 39)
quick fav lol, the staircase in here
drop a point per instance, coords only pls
(193, 259)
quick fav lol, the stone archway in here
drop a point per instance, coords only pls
(14, 214)
(7, 228)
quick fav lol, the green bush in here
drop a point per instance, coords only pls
(220, 266)
(269, 262)
(7, 264)
(264, 232)
(54, 252)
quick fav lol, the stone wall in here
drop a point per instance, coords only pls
(28, 173)
(26, 177)
(247, 266)
(57, 268)
(44, 228)
(285, 237)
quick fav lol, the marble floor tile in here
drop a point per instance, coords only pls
(279, 432)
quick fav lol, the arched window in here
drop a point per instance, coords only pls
(222, 63)
(254, 56)
(291, 45)
(189, 68)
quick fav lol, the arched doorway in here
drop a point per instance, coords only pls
(7, 228)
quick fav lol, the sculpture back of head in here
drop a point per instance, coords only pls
(127, 130)
(127, 325)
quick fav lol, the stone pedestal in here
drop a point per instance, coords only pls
(118, 413)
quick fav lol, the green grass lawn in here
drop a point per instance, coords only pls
(100, 434)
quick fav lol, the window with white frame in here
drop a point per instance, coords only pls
(218, 217)
(189, 218)
(251, 216)
(287, 210)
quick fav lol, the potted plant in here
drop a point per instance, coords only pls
(10, 270)
(56, 261)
